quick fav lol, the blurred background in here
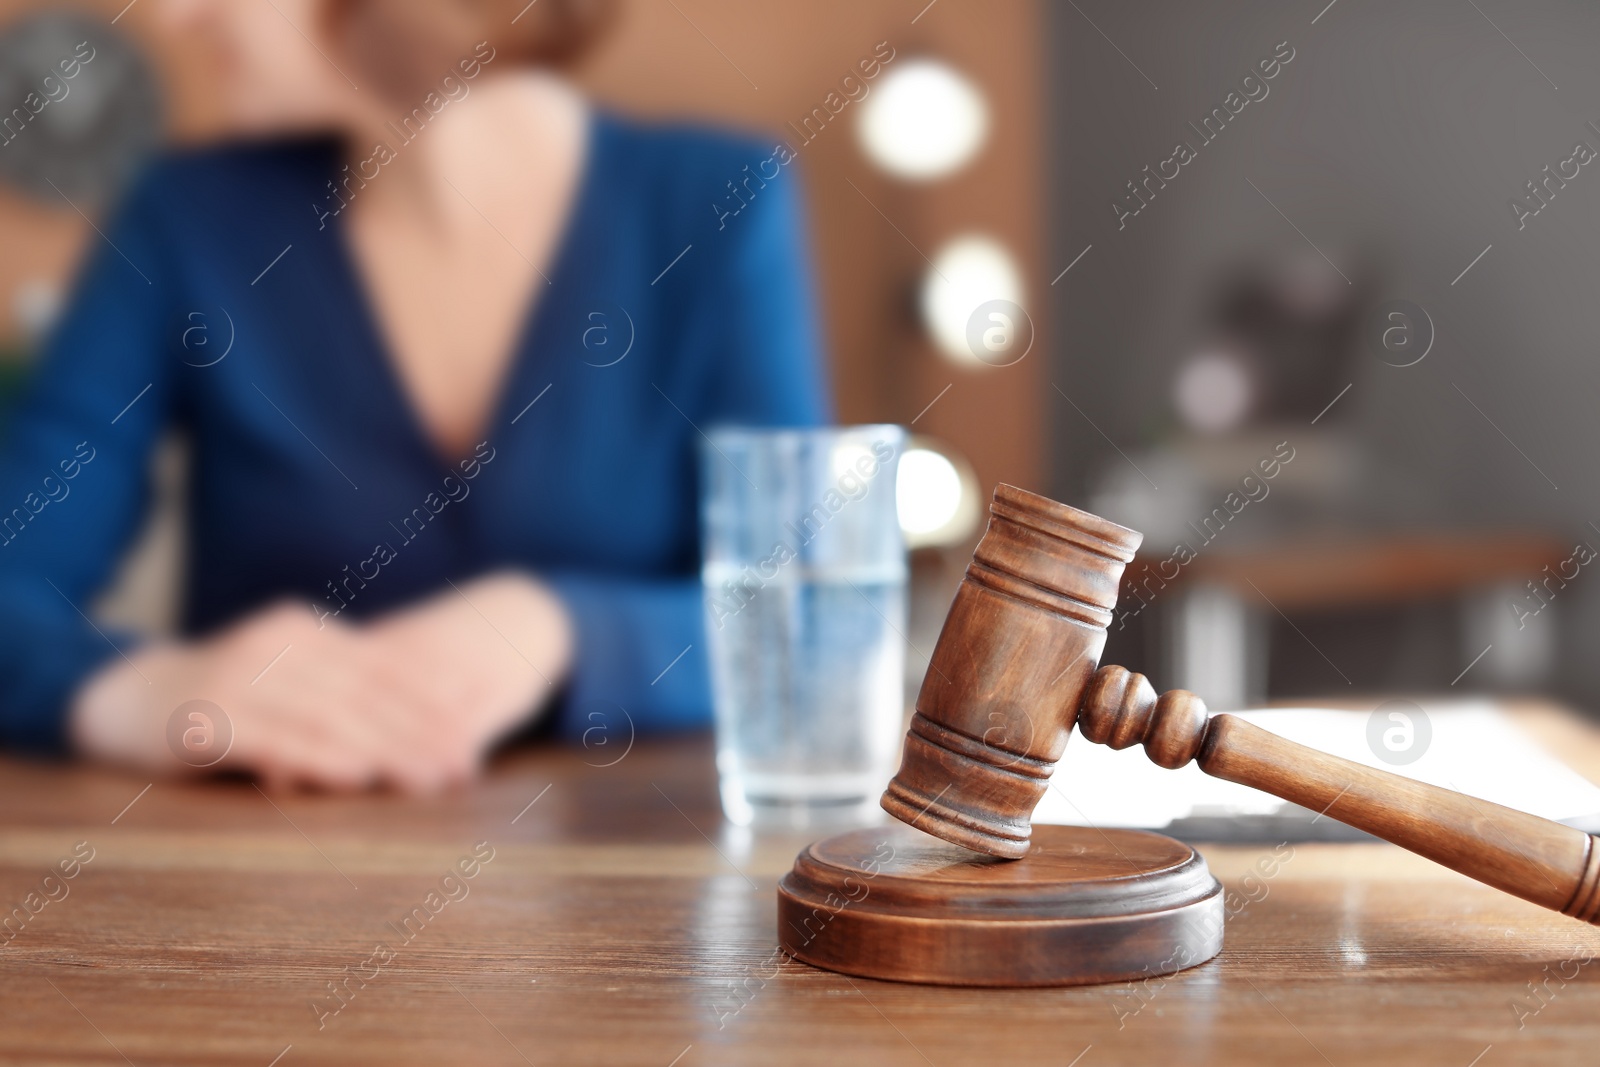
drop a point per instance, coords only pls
(1297, 290)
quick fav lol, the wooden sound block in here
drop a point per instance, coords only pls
(1083, 906)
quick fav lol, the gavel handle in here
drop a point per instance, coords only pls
(1546, 862)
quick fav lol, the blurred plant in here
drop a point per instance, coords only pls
(14, 365)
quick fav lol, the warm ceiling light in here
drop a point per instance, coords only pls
(923, 121)
(971, 303)
(936, 496)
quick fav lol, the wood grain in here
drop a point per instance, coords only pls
(1002, 690)
(1546, 862)
(607, 930)
(995, 709)
(1083, 906)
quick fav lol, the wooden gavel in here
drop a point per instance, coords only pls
(1015, 668)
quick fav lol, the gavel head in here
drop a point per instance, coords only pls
(1018, 649)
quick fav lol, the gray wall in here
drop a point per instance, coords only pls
(1394, 139)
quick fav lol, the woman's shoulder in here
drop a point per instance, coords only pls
(682, 144)
(683, 157)
(684, 181)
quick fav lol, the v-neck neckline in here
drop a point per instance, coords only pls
(530, 323)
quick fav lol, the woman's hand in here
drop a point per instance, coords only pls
(413, 700)
(490, 652)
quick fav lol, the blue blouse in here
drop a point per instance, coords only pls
(223, 302)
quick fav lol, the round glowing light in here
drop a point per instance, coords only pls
(971, 299)
(1214, 392)
(927, 492)
(923, 121)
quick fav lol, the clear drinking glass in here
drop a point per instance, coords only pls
(805, 601)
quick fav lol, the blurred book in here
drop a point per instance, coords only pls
(1474, 748)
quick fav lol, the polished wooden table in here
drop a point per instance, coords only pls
(619, 921)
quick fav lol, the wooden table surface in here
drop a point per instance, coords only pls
(620, 922)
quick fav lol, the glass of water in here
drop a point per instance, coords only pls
(804, 579)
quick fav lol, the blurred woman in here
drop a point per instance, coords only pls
(444, 477)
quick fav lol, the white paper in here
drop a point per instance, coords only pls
(1475, 749)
